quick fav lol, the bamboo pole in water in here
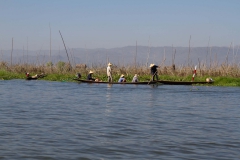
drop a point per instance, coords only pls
(66, 50)
(135, 57)
(207, 49)
(50, 48)
(228, 53)
(148, 52)
(11, 52)
(23, 56)
(189, 51)
(1, 56)
(50, 43)
(86, 55)
(164, 57)
(27, 50)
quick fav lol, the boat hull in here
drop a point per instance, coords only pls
(35, 78)
(182, 83)
(30, 78)
(136, 83)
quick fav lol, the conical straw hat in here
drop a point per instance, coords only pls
(151, 65)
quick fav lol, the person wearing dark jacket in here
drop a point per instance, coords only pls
(89, 77)
(154, 72)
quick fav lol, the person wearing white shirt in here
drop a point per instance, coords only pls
(109, 72)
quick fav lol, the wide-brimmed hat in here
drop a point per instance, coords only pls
(109, 64)
(90, 72)
(151, 65)
(136, 75)
(122, 75)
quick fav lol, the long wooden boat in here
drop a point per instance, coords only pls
(31, 78)
(182, 82)
(35, 78)
(87, 81)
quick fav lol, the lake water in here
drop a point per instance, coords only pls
(61, 120)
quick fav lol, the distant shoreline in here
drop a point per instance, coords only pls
(126, 55)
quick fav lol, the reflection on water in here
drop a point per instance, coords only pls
(57, 120)
(108, 99)
(109, 85)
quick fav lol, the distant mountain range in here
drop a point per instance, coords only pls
(142, 55)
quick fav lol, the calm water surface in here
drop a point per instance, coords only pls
(59, 120)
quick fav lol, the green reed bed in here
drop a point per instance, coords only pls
(223, 75)
(6, 75)
(227, 81)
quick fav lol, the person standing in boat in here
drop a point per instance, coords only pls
(135, 78)
(154, 72)
(109, 72)
(122, 78)
(89, 77)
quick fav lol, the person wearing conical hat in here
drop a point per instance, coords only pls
(89, 77)
(122, 78)
(109, 72)
(135, 78)
(154, 72)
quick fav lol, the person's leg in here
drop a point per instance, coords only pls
(110, 78)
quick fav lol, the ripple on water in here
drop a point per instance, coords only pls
(56, 120)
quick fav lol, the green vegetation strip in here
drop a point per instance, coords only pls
(218, 81)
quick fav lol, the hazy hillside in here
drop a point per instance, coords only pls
(127, 55)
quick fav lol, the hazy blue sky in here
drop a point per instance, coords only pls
(117, 23)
